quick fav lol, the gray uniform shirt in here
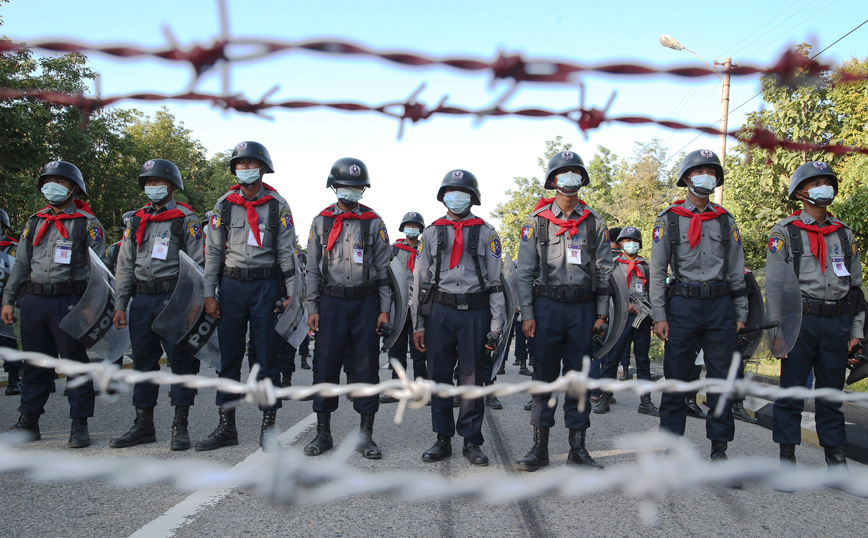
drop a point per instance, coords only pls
(231, 242)
(404, 257)
(137, 262)
(699, 265)
(39, 265)
(636, 287)
(814, 283)
(462, 278)
(560, 271)
(343, 267)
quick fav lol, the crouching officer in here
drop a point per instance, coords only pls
(348, 298)
(564, 266)
(706, 301)
(51, 271)
(147, 270)
(822, 251)
(8, 245)
(249, 254)
(459, 310)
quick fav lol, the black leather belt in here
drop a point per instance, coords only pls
(709, 290)
(348, 292)
(253, 273)
(564, 294)
(824, 309)
(156, 286)
(463, 301)
(61, 288)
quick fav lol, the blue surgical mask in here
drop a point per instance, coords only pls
(631, 247)
(55, 193)
(569, 180)
(157, 193)
(348, 195)
(458, 202)
(703, 185)
(247, 177)
(412, 233)
(822, 195)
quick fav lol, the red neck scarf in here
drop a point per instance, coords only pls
(633, 267)
(458, 242)
(566, 225)
(815, 237)
(366, 214)
(411, 263)
(8, 242)
(145, 217)
(50, 218)
(250, 206)
(696, 219)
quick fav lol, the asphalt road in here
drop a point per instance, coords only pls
(94, 508)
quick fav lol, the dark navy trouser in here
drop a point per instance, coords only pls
(698, 323)
(41, 332)
(285, 356)
(244, 302)
(641, 340)
(10, 366)
(348, 327)
(457, 336)
(399, 351)
(821, 347)
(564, 336)
(148, 347)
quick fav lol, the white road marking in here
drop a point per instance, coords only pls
(185, 511)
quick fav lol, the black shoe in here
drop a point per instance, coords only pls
(304, 364)
(142, 431)
(530, 361)
(594, 398)
(441, 449)
(502, 370)
(79, 437)
(788, 453)
(268, 418)
(224, 435)
(626, 375)
(538, 455)
(456, 401)
(492, 402)
(718, 451)
(656, 377)
(14, 384)
(523, 370)
(529, 405)
(835, 456)
(323, 440)
(693, 409)
(578, 453)
(29, 425)
(740, 413)
(602, 406)
(285, 379)
(473, 453)
(385, 399)
(647, 407)
(180, 436)
(515, 362)
(367, 447)
(350, 381)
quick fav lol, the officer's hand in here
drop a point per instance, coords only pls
(285, 305)
(528, 326)
(661, 329)
(381, 319)
(8, 314)
(597, 325)
(633, 309)
(313, 321)
(491, 348)
(853, 343)
(212, 307)
(739, 325)
(119, 319)
(419, 341)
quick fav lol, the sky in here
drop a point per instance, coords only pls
(406, 173)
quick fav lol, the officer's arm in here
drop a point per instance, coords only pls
(193, 240)
(527, 269)
(412, 287)
(604, 266)
(21, 269)
(494, 266)
(98, 245)
(125, 272)
(856, 329)
(215, 247)
(313, 273)
(659, 260)
(735, 265)
(422, 272)
(382, 257)
(286, 244)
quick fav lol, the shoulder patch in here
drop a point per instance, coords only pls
(384, 235)
(215, 219)
(310, 235)
(26, 229)
(736, 235)
(659, 230)
(286, 219)
(194, 228)
(94, 230)
(14, 249)
(126, 234)
(853, 247)
(527, 232)
(420, 247)
(777, 240)
(494, 246)
(606, 233)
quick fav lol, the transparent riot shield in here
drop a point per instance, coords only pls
(619, 310)
(509, 281)
(295, 314)
(210, 352)
(91, 318)
(750, 337)
(400, 302)
(783, 298)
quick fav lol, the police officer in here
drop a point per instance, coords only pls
(115, 248)
(51, 271)
(147, 271)
(348, 298)
(564, 266)
(459, 309)
(249, 254)
(8, 245)
(405, 250)
(822, 251)
(706, 300)
(636, 271)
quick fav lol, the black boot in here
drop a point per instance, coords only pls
(578, 453)
(142, 431)
(367, 447)
(516, 362)
(285, 379)
(693, 409)
(522, 369)
(224, 435)
(529, 405)
(502, 370)
(739, 412)
(625, 375)
(473, 453)
(530, 361)
(350, 381)
(647, 407)
(323, 440)
(441, 449)
(538, 455)
(788, 453)
(304, 363)
(28, 425)
(79, 437)
(718, 451)
(456, 401)
(14, 384)
(386, 399)
(602, 406)
(492, 402)
(180, 436)
(267, 426)
(835, 456)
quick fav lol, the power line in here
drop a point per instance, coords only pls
(775, 27)
(793, 28)
(758, 29)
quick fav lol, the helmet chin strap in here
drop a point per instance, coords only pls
(567, 192)
(803, 196)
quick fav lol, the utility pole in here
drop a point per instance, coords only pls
(724, 114)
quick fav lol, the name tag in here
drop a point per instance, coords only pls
(358, 254)
(63, 254)
(637, 286)
(251, 239)
(839, 266)
(161, 249)
(574, 254)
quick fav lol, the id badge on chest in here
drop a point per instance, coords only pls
(161, 248)
(63, 253)
(637, 286)
(839, 266)
(251, 239)
(358, 254)
(574, 254)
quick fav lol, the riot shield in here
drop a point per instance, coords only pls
(749, 338)
(509, 281)
(91, 318)
(6, 263)
(783, 308)
(400, 301)
(294, 314)
(210, 353)
(113, 345)
(619, 310)
(183, 321)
